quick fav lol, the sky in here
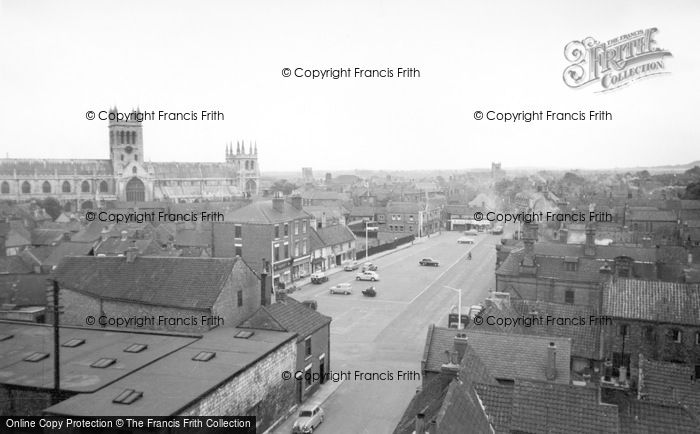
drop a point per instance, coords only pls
(59, 60)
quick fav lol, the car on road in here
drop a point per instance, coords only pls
(341, 288)
(367, 275)
(471, 232)
(429, 262)
(310, 417)
(498, 230)
(368, 266)
(319, 277)
(351, 266)
(465, 240)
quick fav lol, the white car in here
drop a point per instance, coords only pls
(351, 266)
(367, 275)
(341, 288)
(310, 417)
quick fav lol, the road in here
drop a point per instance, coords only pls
(386, 334)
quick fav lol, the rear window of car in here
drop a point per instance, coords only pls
(305, 413)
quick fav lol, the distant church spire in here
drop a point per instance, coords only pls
(250, 149)
(256, 147)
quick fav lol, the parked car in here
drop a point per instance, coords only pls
(310, 417)
(498, 230)
(368, 266)
(429, 262)
(341, 288)
(351, 266)
(465, 240)
(471, 232)
(367, 275)
(319, 277)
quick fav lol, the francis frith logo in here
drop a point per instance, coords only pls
(615, 63)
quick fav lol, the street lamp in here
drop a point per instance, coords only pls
(459, 306)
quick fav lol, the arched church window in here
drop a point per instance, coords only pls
(85, 187)
(5, 187)
(111, 137)
(121, 137)
(252, 165)
(133, 169)
(46, 187)
(26, 188)
(104, 188)
(133, 137)
(122, 157)
(65, 187)
(136, 157)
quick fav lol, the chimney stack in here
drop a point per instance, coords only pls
(296, 201)
(264, 293)
(278, 202)
(450, 368)
(420, 424)
(551, 369)
(124, 235)
(460, 343)
(131, 253)
(589, 248)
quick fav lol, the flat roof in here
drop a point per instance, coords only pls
(173, 383)
(76, 373)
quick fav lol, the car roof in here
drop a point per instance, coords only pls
(310, 407)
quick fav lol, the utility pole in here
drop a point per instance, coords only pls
(56, 346)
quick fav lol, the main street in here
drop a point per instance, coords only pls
(387, 333)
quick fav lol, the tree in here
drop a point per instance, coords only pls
(692, 191)
(52, 207)
(283, 186)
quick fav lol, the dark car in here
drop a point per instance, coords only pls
(429, 262)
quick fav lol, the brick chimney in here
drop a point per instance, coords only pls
(278, 202)
(296, 201)
(450, 368)
(589, 247)
(420, 424)
(460, 343)
(131, 253)
(264, 292)
(124, 235)
(551, 368)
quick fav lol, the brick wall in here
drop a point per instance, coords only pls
(659, 346)
(585, 294)
(24, 402)
(259, 391)
(319, 345)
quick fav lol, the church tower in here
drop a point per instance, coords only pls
(246, 164)
(125, 140)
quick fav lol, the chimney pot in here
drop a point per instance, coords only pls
(131, 253)
(460, 344)
(278, 203)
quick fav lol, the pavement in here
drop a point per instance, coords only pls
(379, 341)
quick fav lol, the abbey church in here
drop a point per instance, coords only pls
(127, 176)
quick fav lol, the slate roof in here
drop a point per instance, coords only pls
(287, 315)
(540, 407)
(13, 265)
(668, 302)
(506, 356)
(117, 246)
(337, 234)
(449, 406)
(666, 382)
(40, 167)
(175, 170)
(90, 233)
(651, 215)
(315, 240)
(404, 207)
(263, 212)
(188, 283)
(585, 341)
(363, 211)
(64, 249)
(641, 254)
(193, 238)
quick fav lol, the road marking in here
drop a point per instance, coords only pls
(439, 277)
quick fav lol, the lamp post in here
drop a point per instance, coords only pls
(459, 306)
